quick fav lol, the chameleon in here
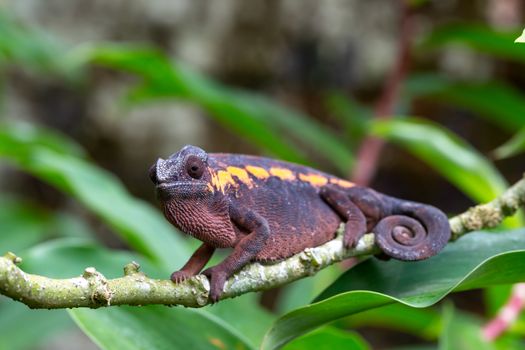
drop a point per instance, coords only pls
(268, 210)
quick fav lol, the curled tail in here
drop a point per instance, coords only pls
(413, 231)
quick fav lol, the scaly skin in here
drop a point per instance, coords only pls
(268, 210)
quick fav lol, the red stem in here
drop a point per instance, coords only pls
(507, 315)
(370, 148)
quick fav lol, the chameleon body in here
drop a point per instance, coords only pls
(268, 210)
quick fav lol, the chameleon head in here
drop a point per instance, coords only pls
(184, 174)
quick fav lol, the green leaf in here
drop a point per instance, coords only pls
(328, 338)
(462, 331)
(63, 258)
(164, 79)
(512, 147)
(157, 327)
(414, 347)
(26, 138)
(449, 155)
(521, 38)
(476, 260)
(23, 225)
(350, 114)
(478, 37)
(252, 324)
(423, 323)
(22, 328)
(32, 49)
(276, 129)
(495, 297)
(301, 292)
(60, 258)
(486, 99)
(67, 257)
(134, 220)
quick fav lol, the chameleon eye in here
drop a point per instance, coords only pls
(194, 167)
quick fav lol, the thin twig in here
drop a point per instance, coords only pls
(370, 148)
(93, 290)
(507, 315)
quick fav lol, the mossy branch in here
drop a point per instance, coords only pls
(93, 290)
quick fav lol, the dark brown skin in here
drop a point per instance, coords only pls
(268, 210)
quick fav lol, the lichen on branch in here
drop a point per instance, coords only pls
(93, 290)
(490, 214)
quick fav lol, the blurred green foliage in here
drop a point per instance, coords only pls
(474, 261)
(278, 130)
(381, 294)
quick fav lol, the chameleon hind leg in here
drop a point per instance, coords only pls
(355, 220)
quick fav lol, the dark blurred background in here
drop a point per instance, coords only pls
(322, 58)
(296, 52)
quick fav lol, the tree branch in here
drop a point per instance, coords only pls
(93, 290)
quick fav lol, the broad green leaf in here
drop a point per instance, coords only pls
(275, 128)
(64, 258)
(22, 328)
(60, 258)
(139, 224)
(157, 327)
(26, 137)
(512, 147)
(23, 225)
(495, 297)
(301, 292)
(518, 328)
(462, 331)
(521, 38)
(486, 99)
(164, 79)
(476, 260)
(68, 257)
(423, 323)
(328, 338)
(449, 155)
(252, 324)
(309, 133)
(31, 49)
(135, 221)
(478, 37)
(350, 114)
(414, 347)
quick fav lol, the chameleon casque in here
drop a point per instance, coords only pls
(268, 210)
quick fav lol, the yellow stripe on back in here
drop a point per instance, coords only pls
(240, 174)
(314, 179)
(233, 176)
(282, 173)
(258, 172)
(342, 183)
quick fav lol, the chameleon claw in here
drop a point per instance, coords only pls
(180, 276)
(217, 280)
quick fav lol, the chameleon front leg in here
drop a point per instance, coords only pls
(243, 252)
(355, 226)
(197, 261)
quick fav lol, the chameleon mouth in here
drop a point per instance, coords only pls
(166, 191)
(167, 186)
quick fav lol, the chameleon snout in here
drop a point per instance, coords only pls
(162, 177)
